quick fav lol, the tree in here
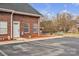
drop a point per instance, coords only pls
(47, 26)
(61, 22)
(64, 21)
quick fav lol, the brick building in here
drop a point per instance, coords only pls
(18, 20)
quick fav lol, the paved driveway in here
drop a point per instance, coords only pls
(51, 47)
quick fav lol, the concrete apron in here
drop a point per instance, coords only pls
(20, 40)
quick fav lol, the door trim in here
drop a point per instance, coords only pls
(19, 28)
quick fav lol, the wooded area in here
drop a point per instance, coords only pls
(62, 22)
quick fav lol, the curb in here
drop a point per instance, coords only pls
(28, 40)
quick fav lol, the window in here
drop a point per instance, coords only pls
(35, 28)
(26, 27)
(3, 27)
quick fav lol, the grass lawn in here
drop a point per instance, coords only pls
(71, 34)
(67, 34)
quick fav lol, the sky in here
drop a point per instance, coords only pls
(51, 9)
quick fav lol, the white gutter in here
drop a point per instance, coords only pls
(18, 12)
(23, 13)
(6, 10)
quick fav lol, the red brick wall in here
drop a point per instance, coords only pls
(23, 19)
(26, 19)
(5, 17)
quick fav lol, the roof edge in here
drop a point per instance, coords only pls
(19, 12)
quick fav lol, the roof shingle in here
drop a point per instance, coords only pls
(22, 7)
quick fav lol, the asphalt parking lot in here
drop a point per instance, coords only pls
(51, 47)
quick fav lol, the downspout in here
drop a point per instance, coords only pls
(38, 26)
(11, 25)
